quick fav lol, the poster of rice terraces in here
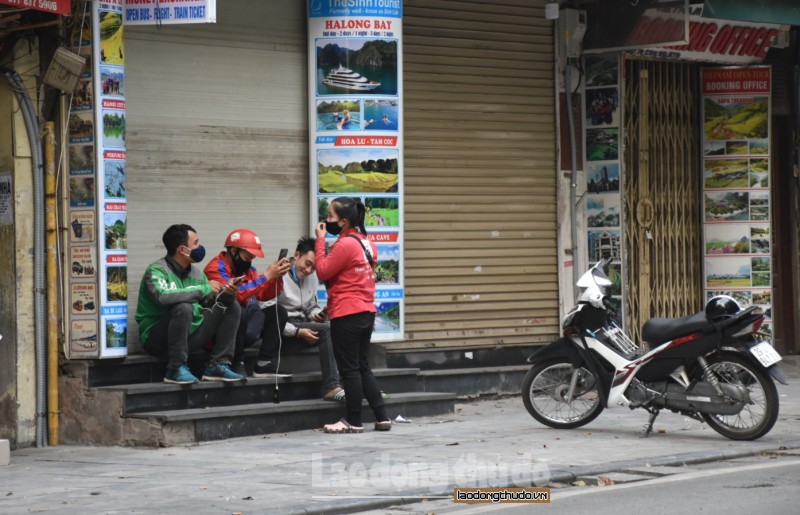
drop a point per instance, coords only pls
(736, 186)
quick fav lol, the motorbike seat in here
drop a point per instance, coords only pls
(659, 330)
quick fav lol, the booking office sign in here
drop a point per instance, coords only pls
(355, 74)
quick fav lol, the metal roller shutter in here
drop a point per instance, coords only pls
(217, 138)
(217, 131)
(480, 180)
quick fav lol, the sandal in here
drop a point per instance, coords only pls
(334, 394)
(342, 426)
(383, 425)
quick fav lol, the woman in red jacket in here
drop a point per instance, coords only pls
(347, 271)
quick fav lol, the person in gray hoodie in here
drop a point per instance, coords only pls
(307, 320)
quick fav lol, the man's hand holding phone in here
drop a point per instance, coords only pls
(232, 285)
(279, 267)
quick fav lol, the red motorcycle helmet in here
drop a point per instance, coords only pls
(245, 239)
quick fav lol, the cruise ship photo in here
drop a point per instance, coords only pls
(356, 66)
(348, 80)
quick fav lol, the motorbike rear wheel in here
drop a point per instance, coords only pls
(544, 392)
(759, 414)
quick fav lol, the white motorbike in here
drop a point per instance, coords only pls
(708, 366)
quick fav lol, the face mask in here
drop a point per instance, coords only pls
(333, 228)
(294, 274)
(240, 266)
(197, 254)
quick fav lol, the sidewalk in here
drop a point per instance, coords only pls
(485, 443)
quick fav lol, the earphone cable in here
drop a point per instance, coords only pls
(280, 339)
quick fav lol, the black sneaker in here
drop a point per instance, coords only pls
(269, 370)
(239, 368)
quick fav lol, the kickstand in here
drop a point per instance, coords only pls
(649, 427)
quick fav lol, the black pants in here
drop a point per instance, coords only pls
(260, 324)
(351, 336)
(170, 337)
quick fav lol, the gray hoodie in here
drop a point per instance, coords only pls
(300, 300)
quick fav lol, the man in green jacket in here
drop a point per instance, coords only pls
(179, 310)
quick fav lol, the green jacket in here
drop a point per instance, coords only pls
(164, 284)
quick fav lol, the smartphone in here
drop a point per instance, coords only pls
(238, 280)
(283, 254)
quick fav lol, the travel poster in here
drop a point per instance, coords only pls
(736, 185)
(355, 76)
(111, 183)
(601, 203)
(82, 136)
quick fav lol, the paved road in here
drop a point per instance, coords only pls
(485, 443)
(764, 484)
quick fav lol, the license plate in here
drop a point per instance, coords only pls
(765, 354)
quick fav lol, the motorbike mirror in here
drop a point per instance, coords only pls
(600, 273)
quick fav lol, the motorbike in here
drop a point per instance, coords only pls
(708, 366)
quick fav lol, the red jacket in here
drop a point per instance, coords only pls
(254, 284)
(348, 276)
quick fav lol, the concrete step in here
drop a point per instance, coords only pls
(142, 368)
(158, 396)
(460, 357)
(473, 382)
(221, 422)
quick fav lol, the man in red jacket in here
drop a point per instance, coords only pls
(241, 247)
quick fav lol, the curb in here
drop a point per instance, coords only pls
(692, 458)
(556, 476)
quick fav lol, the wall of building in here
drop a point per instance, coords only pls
(217, 132)
(17, 352)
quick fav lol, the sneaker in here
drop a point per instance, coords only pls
(221, 372)
(180, 375)
(239, 368)
(269, 370)
(335, 394)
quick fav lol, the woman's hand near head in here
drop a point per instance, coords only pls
(320, 231)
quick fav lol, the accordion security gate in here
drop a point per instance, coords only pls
(662, 200)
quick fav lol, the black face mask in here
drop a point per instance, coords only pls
(333, 228)
(240, 266)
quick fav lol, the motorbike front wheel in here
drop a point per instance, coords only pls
(761, 409)
(545, 392)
